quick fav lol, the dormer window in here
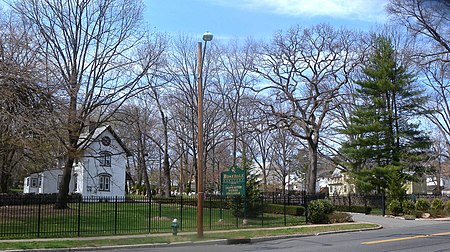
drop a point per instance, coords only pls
(105, 159)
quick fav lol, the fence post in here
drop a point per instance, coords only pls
(181, 213)
(365, 204)
(284, 208)
(39, 217)
(79, 217)
(221, 206)
(237, 211)
(149, 213)
(383, 203)
(305, 201)
(115, 217)
(262, 211)
(349, 202)
(210, 212)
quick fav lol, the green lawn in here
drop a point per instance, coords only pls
(93, 219)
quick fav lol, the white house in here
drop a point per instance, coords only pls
(100, 171)
(339, 183)
(45, 182)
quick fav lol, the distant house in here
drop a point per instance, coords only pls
(322, 184)
(416, 187)
(100, 170)
(431, 184)
(339, 183)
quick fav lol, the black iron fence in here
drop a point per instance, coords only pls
(35, 216)
(374, 203)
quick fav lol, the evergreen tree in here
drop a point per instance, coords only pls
(250, 205)
(387, 147)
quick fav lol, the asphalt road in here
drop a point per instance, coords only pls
(397, 235)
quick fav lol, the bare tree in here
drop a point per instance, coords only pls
(306, 69)
(283, 158)
(135, 122)
(91, 47)
(438, 79)
(236, 81)
(25, 99)
(428, 21)
(181, 71)
(262, 149)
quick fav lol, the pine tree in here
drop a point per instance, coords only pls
(387, 147)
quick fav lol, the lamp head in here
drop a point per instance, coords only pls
(207, 36)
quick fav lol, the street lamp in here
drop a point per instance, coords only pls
(207, 36)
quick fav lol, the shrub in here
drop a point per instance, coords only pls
(394, 207)
(422, 205)
(437, 205)
(437, 213)
(319, 211)
(408, 207)
(447, 206)
(418, 213)
(354, 209)
(339, 217)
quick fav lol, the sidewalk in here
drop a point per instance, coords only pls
(183, 243)
(118, 237)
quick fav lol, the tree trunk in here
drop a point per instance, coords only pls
(63, 194)
(166, 172)
(74, 131)
(234, 142)
(4, 179)
(312, 171)
(143, 164)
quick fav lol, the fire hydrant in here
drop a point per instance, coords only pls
(174, 226)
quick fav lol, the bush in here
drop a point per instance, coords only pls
(354, 209)
(319, 211)
(339, 217)
(394, 207)
(422, 205)
(437, 213)
(437, 205)
(447, 206)
(279, 209)
(418, 213)
(408, 207)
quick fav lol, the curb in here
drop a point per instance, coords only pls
(271, 238)
(198, 243)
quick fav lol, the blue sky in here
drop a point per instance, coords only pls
(258, 18)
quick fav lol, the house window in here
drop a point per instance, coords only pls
(75, 183)
(28, 181)
(104, 182)
(105, 159)
(59, 182)
(34, 182)
(39, 180)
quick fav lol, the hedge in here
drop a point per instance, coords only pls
(279, 209)
(354, 209)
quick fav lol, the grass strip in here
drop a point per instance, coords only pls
(166, 239)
